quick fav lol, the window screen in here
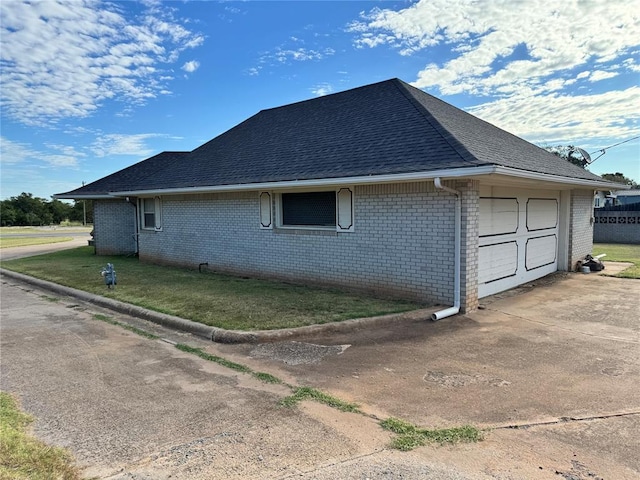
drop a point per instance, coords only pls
(309, 209)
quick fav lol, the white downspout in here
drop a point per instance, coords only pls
(447, 312)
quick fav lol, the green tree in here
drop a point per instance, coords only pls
(8, 214)
(620, 178)
(79, 209)
(569, 153)
(30, 210)
(59, 211)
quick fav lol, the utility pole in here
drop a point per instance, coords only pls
(84, 211)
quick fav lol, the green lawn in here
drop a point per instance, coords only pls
(620, 253)
(213, 299)
(23, 457)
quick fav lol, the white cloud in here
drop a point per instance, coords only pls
(537, 60)
(631, 65)
(557, 118)
(286, 56)
(15, 153)
(300, 54)
(483, 33)
(120, 144)
(322, 89)
(63, 59)
(191, 66)
(601, 75)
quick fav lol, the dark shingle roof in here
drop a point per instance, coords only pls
(384, 128)
(130, 178)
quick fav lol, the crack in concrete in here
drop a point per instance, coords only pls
(539, 322)
(563, 420)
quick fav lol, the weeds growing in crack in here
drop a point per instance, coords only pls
(410, 436)
(265, 377)
(308, 393)
(131, 328)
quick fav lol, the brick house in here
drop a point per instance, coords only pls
(382, 188)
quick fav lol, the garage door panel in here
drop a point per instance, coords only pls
(518, 238)
(497, 261)
(540, 251)
(542, 214)
(498, 216)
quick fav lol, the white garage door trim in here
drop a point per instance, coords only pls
(518, 237)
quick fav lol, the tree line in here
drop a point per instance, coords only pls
(27, 210)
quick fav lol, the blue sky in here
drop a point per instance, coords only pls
(91, 87)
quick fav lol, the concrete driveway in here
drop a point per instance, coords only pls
(554, 368)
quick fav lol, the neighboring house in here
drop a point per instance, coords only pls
(601, 199)
(615, 197)
(626, 197)
(618, 220)
(382, 188)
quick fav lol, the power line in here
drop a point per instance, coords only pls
(614, 145)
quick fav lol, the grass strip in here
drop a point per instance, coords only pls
(265, 377)
(620, 253)
(23, 457)
(409, 436)
(131, 328)
(308, 393)
(210, 298)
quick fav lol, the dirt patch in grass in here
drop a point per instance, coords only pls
(214, 299)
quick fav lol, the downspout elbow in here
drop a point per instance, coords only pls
(447, 312)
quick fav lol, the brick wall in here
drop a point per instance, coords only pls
(616, 227)
(470, 232)
(402, 244)
(580, 226)
(114, 227)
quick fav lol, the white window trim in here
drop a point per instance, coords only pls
(344, 209)
(157, 214)
(265, 205)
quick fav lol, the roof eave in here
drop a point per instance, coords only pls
(373, 179)
(545, 177)
(70, 196)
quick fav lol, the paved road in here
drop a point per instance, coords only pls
(133, 408)
(79, 240)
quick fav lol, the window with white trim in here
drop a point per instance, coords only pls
(320, 210)
(150, 213)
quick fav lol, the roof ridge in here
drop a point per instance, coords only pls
(332, 94)
(444, 133)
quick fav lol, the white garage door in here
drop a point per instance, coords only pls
(518, 237)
